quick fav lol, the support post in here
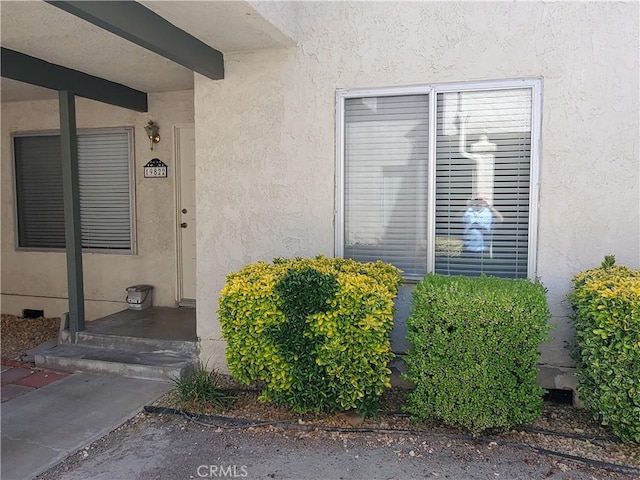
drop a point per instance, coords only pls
(73, 238)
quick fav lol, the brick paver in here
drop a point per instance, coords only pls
(14, 374)
(18, 378)
(12, 391)
(40, 379)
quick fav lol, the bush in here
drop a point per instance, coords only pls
(606, 303)
(474, 351)
(315, 331)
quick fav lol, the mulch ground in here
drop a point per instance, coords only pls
(21, 334)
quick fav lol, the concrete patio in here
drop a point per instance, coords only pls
(158, 343)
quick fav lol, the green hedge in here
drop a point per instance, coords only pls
(474, 351)
(606, 302)
(315, 331)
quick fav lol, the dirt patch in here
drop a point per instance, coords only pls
(22, 334)
(561, 429)
(170, 446)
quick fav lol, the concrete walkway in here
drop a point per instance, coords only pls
(43, 426)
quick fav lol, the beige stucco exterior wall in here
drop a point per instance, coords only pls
(266, 140)
(283, 15)
(38, 279)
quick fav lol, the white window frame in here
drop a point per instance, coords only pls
(132, 191)
(535, 84)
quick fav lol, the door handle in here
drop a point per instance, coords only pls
(183, 225)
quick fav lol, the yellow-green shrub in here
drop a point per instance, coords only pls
(606, 302)
(315, 331)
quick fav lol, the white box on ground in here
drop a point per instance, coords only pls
(139, 296)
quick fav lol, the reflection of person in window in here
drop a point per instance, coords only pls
(479, 219)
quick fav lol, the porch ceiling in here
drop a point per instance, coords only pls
(51, 34)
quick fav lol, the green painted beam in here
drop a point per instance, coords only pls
(71, 194)
(28, 69)
(136, 23)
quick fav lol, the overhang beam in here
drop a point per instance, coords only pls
(136, 23)
(32, 70)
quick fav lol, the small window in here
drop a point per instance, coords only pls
(105, 187)
(440, 178)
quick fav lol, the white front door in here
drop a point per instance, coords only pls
(186, 215)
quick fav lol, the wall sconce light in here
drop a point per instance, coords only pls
(152, 133)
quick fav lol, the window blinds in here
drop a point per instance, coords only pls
(104, 187)
(386, 151)
(483, 150)
(105, 204)
(482, 146)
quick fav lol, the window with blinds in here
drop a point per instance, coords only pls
(386, 151)
(105, 187)
(439, 179)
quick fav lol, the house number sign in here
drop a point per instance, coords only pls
(156, 168)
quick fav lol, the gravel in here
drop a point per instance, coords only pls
(22, 334)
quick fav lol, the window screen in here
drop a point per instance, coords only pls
(104, 166)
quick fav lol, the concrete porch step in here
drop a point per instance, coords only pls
(143, 364)
(123, 342)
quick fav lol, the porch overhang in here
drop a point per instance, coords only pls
(136, 23)
(32, 70)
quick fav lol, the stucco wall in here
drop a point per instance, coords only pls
(266, 141)
(282, 14)
(38, 279)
